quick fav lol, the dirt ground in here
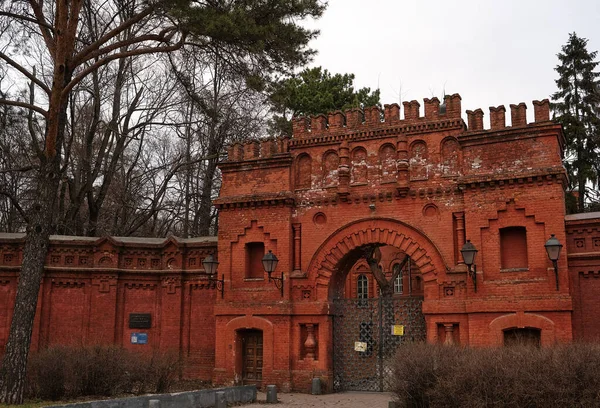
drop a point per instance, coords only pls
(338, 400)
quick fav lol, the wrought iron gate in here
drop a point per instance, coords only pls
(366, 334)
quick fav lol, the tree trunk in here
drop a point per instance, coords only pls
(204, 209)
(14, 363)
(582, 187)
(94, 216)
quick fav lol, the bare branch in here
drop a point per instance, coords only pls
(82, 55)
(18, 170)
(15, 203)
(164, 37)
(41, 21)
(26, 18)
(113, 57)
(22, 70)
(34, 138)
(25, 105)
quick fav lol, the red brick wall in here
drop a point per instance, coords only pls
(583, 252)
(421, 186)
(92, 286)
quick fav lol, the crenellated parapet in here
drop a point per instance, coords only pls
(518, 116)
(343, 153)
(357, 120)
(257, 149)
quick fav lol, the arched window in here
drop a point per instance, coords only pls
(419, 161)
(450, 157)
(387, 160)
(398, 282)
(359, 166)
(417, 284)
(362, 291)
(331, 162)
(304, 172)
(254, 254)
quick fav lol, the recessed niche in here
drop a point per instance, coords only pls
(430, 210)
(320, 218)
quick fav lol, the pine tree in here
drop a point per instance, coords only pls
(314, 91)
(576, 106)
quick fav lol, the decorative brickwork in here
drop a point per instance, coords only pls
(321, 201)
(86, 298)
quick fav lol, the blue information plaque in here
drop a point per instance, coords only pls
(139, 338)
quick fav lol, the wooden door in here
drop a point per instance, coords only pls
(253, 357)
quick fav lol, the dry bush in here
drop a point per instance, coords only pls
(438, 376)
(165, 369)
(46, 376)
(67, 372)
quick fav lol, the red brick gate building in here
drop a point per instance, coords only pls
(417, 188)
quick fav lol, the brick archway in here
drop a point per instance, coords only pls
(340, 250)
(523, 320)
(232, 337)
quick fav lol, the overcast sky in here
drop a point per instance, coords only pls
(490, 52)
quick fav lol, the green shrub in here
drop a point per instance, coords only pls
(438, 376)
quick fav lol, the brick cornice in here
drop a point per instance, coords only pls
(550, 303)
(275, 161)
(584, 256)
(255, 200)
(482, 137)
(510, 179)
(412, 127)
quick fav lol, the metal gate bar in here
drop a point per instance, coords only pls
(364, 342)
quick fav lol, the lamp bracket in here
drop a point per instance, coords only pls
(278, 282)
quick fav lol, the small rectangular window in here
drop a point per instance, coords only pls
(513, 248)
(255, 251)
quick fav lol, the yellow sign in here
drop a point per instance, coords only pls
(360, 346)
(397, 330)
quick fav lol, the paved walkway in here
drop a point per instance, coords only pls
(338, 400)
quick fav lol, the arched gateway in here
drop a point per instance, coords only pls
(369, 325)
(367, 214)
(347, 245)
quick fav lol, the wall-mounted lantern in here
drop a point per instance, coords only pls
(553, 247)
(210, 266)
(270, 262)
(468, 253)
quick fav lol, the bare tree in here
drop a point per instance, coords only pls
(15, 164)
(221, 108)
(266, 38)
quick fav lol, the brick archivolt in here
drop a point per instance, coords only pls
(327, 260)
(522, 320)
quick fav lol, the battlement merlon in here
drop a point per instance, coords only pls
(357, 120)
(257, 149)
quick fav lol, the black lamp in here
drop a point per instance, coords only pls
(468, 253)
(270, 262)
(553, 247)
(210, 266)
